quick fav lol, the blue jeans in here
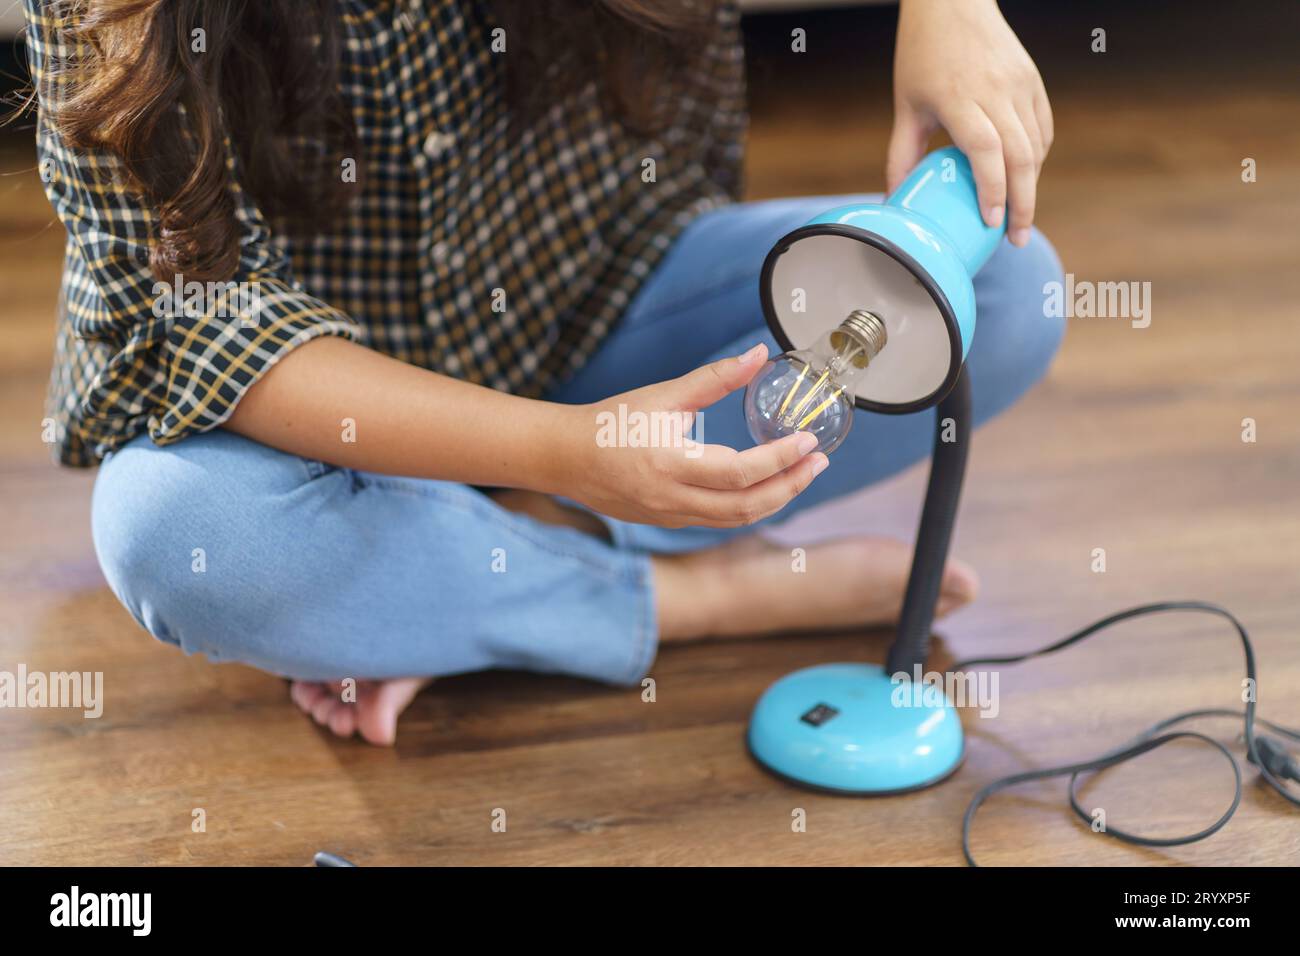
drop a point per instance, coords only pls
(228, 548)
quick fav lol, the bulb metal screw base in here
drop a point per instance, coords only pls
(864, 329)
(869, 327)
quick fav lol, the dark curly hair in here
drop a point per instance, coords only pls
(268, 84)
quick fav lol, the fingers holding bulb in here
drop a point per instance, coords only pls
(772, 494)
(711, 383)
(733, 509)
(726, 469)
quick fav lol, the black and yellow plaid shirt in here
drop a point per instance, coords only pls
(474, 250)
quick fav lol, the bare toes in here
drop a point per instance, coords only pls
(960, 582)
(324, 706)
(377, 717)
(305, 694)
(343, 720)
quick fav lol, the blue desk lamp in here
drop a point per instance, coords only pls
(875, 308)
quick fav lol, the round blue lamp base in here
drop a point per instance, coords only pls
(847, 728)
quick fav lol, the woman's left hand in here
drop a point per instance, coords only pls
(958, 65)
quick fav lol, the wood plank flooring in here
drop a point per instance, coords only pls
(1133, 444)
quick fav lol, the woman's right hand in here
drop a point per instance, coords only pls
(677, 482)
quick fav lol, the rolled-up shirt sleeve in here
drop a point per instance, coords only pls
(214, 357)
(175, 355)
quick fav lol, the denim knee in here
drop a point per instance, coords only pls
(159, 515)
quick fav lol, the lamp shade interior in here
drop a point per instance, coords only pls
(820, 278)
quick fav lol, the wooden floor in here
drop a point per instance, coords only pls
(1133, 444)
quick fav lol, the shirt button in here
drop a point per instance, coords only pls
(437, 143)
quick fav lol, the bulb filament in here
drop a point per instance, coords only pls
(808, 396)
(820, 408)
(793, 388)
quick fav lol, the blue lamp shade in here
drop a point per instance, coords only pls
(908, 260)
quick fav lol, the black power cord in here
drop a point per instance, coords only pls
(1269, 754)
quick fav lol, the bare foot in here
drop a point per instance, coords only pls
(751, 587)
(374, 715)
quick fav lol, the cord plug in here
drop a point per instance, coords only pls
(1276, 759)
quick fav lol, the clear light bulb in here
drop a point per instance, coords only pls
(811, 390)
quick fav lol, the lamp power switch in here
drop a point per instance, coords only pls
(819, 714)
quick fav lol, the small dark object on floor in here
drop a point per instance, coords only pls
(329, 859)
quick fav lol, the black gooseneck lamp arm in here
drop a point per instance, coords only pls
(947, 470)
